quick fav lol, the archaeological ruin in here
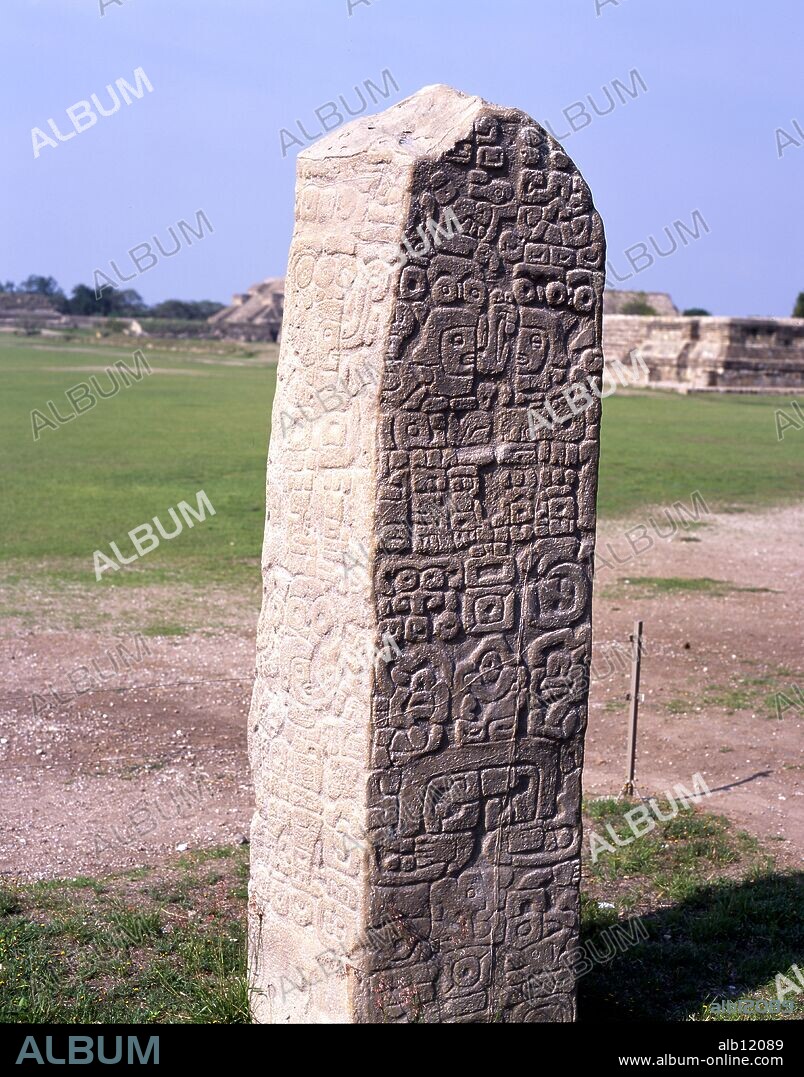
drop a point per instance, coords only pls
(699, 354)
(417, 723)
(254, 315)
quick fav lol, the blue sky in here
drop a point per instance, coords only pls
(227, 75)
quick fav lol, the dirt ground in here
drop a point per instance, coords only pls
(103, 769)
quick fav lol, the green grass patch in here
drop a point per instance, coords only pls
(165, 629)
(675, 856)
(714, 920)
(198, 422)
(769, 696)
(659, 447)
(122, 950)
(656, 586)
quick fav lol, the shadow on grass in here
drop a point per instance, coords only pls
(724, 941)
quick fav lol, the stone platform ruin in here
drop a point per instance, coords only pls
(696, 354)
(416, 730)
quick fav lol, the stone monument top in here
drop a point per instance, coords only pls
(416, 729)
(422, 125)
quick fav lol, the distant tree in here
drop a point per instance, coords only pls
(82, 301)
(127, 302)
(189, 309)
(41, 285)
(45, 286)
(170, 308)
(798, 309)
(697, 312)
(111, 303)
(207, 307)
(638, 306)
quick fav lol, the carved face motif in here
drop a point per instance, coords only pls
(532, 348)
(458, 347)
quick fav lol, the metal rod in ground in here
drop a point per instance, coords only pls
(636, 661)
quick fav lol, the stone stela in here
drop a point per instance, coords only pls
(416, 843)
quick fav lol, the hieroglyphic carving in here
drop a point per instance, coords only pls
(457, 759)
(491, 596)
(308, 735)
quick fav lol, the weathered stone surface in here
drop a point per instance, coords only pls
(416, 732)
(711, 354)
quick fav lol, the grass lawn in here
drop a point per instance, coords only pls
(201, 421)
(168, 944)
(198, 422)
(720, 923)
(143, 946)
(659, 447)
